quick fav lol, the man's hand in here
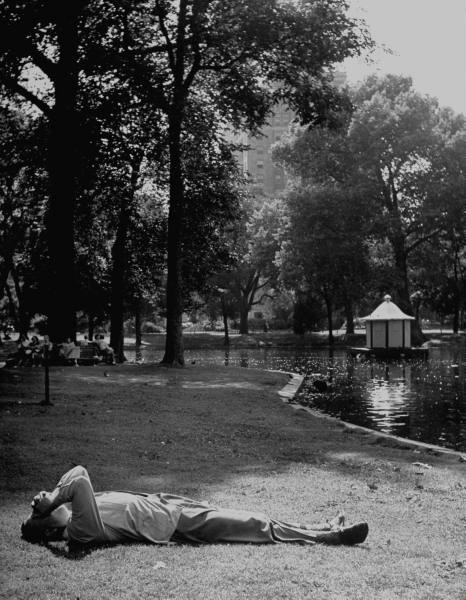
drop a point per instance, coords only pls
(41, 504)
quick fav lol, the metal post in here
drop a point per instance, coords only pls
(46, 400)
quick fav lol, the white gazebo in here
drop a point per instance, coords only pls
(388, 327)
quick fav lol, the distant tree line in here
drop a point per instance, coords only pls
(377, 205)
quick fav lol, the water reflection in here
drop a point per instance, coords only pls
(423, 400)
(386, 395)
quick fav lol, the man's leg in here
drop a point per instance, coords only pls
(334, 524)
(286, 532)
(213, 525)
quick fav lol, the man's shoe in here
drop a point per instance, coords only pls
(355, 534)
(338, 522)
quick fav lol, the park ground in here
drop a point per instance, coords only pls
(224, 435)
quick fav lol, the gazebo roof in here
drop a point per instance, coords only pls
(387, 311)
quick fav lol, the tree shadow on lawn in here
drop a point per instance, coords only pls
(64, 550)
(78, 552)
(152, 441)
(333, 465)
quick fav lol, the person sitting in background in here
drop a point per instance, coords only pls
(24, 354)
(121, 517)
(36, 351)
(84, 341)
(69, 352)
(104, 349)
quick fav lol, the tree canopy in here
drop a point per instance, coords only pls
(397, 160)
(80, 63)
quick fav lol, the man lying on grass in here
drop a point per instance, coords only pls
(116, 517)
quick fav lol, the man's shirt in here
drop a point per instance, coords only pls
(115, 516)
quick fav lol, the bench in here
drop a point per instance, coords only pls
(8, 353)
(88, 356)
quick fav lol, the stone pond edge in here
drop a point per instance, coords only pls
(293, 387)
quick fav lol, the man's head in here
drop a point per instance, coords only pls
(48, 529)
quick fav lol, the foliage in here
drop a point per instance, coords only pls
(324, 252)
(240, 59)
(400, 160)
(89, 66)
(257, 240)
(212, 199)
(22, 206)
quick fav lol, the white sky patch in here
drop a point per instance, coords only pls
(428, 40)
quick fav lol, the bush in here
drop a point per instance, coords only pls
(41, 326)
(149, 327)
(213, 326)
(279, 324)
(256, 324)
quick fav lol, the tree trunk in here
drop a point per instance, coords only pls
(90, 334)
(299, 327)
(456, 317)
(118, 279)
(138, 326)
(138, 330)
(244, 316)
(11, 307)
(174, 354)
(24, 320)
(62, 167)
(404, 300)
(120, 265)
(457, 298)
(225, 322)
(328, 305)
(5, 271)
(349, 317)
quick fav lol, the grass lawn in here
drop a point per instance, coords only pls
(223, 435)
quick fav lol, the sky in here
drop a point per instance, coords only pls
(428, 40)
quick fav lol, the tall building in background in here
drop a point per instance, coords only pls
(264, 176)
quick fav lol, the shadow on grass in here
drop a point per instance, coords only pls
(68, 552)
(183, 439)
(76, 551)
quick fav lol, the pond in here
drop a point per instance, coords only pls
(421, 400)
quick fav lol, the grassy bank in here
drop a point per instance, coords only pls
(223, 435)
(278, 339)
